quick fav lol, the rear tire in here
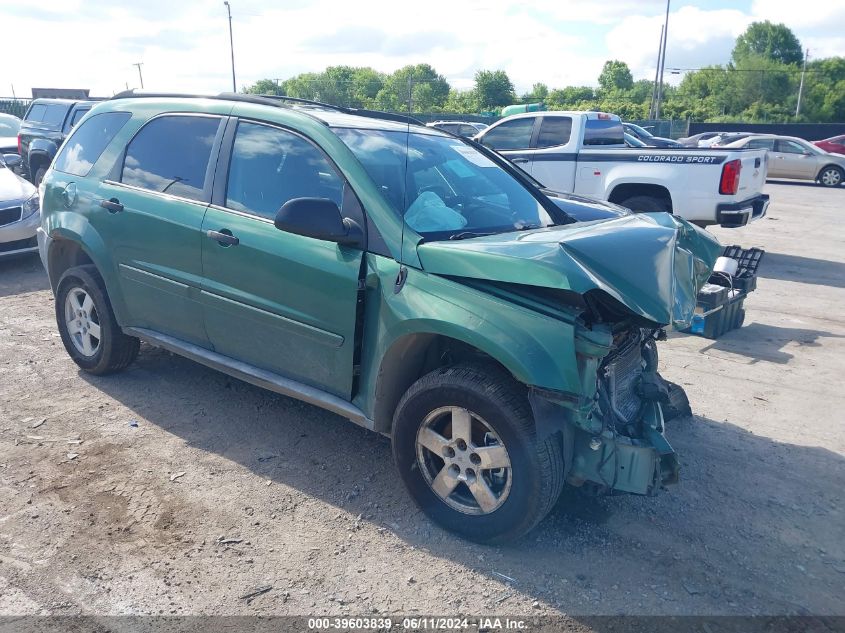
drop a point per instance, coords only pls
(39, 175)
(645, 204)
(831, 176)
(89, 331)
(465, 444)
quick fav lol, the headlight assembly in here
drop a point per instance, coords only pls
(31, 206)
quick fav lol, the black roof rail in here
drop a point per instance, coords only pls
(274, 100)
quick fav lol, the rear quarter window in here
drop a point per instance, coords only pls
(604, 132)
(87, 142)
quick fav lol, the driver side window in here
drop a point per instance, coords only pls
(790, 147)
(270, 166)
(513, 134)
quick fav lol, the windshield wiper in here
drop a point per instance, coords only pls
(467, 234)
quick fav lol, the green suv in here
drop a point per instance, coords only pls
(502, 335)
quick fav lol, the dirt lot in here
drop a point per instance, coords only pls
(173, 489)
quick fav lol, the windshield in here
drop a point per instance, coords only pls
(641, 131)
(451, 190)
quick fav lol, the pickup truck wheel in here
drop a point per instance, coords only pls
(831, 176)
(645, 204)
(90, 334)
(466, 449)
(39, 175)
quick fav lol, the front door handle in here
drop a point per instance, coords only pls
(223, 237)
(519, 160)
(113, 205)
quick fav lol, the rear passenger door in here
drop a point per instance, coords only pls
(553, 158)
(278, 301)
(152, 221)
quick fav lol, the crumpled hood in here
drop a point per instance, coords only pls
(653, 263)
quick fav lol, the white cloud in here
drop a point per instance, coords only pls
(184, 46)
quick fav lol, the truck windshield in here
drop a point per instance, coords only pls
(451, 190)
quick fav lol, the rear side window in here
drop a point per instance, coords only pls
(87, 142)
(513, 134)
(554, 130)
(77, 116)
(171, 154)
(270, 166)
(604, 132)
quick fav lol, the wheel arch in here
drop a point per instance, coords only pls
(828, 165)
(413, 355)
(625, 190)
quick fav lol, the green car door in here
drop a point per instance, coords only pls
(279, 301)
(151, 219)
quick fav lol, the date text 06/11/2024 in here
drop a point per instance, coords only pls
(415, 623)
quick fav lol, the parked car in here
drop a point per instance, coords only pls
(19, 210)
(413, 282)
(10, 125)
(793, 157)
(730, 137)
(633, 141)
(834, 144)
(649, 139)
(580, 152)
(45, 126)
(695, 139)
(467, 129)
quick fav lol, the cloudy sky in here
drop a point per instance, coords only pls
(184, 44)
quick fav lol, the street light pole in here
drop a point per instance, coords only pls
(662, 63)
(231, 45)
(801, 85)
(656, 73)
(140, 76)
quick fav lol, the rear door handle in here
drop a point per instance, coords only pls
(113, 205)
(224, 237)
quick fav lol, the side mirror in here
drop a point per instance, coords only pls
(11, 160)
(319, 218)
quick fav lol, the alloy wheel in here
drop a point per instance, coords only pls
(463, 460)
(831, 177)
(82, 321)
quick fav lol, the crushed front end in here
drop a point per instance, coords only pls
(613, 433)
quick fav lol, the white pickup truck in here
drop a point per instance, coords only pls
(585, 153)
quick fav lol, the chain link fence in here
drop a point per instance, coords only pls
(11, 105)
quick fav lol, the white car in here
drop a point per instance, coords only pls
(467, 129)
(585, 153)
(19, 210)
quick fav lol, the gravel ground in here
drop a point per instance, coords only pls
(172, 489)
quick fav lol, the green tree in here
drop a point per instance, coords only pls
(428, 90)
(615, 75)
(539, 92)
(462, 102)
(264, 87)
(494, 89)
(775, 42)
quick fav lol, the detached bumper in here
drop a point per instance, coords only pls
(736, 214)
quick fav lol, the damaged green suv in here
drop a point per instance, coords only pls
(503, 335)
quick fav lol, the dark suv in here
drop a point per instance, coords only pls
(407, 279)
(44, 128)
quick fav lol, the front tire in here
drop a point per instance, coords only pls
(465, 445)
(39, 175)
(89, 331)
(831, 176)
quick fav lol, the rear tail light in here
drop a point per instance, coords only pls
(20, 148)
(729, 184)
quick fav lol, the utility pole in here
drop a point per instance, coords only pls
(140, 76)
(662, 63)
(656, 73)
(231, 45)
(801, 85)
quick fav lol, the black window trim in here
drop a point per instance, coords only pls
(116, 173)
(372, 235)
